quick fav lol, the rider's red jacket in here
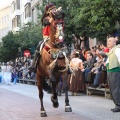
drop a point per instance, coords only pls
(46, 27)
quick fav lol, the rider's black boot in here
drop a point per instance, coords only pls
(33, 67)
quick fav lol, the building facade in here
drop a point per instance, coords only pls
(17, 14)
(21, 13)
(24, 11)
(35, 10)
(5, 21)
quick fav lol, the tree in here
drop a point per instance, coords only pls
(72, 28)
(29, 35)
(90, 18)
(96, 18)
(9, 48)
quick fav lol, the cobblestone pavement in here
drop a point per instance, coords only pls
(21, 102)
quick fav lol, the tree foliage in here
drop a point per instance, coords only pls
(91, 18)
(95, 18)
(9, 48)
(28, 36)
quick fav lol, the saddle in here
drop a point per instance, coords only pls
(42, 44)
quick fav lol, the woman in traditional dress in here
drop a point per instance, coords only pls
(8, 74)
(2, 72)
(76, 80)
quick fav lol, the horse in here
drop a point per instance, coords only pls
(53, 63)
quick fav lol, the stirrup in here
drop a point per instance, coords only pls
(46, 39)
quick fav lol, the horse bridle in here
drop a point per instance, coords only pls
(55, 25)
(58, 21)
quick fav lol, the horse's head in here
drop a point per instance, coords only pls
(57, 26)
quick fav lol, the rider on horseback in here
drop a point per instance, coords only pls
(46, 21)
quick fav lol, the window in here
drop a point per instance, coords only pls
(5, 31)
(13, 6)
(17, 21)
(2, 19)
(33, 17)
(7, 17)
(13, 23)
(28, 10)
(17, 4)
(23, 17)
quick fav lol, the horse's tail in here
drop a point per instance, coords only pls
(47, 86)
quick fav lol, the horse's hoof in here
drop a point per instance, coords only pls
(54, 100)
(55, 105)
(43, 114)
(68, 109)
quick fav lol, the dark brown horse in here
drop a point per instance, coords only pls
(53, 63)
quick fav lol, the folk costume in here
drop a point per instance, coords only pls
(76, 79)
(3, 67)
(46, 21)
(113, 70)
(7, 74)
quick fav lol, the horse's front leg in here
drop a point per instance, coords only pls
(54, 98)
(65, 86)
(40, 88)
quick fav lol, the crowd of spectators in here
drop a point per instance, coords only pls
(89, 68)
(19, 69)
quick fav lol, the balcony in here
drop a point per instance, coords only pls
(15, 13)
(16, 29)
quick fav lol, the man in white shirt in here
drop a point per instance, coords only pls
(113, 70)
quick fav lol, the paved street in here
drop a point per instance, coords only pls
(21, 102)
